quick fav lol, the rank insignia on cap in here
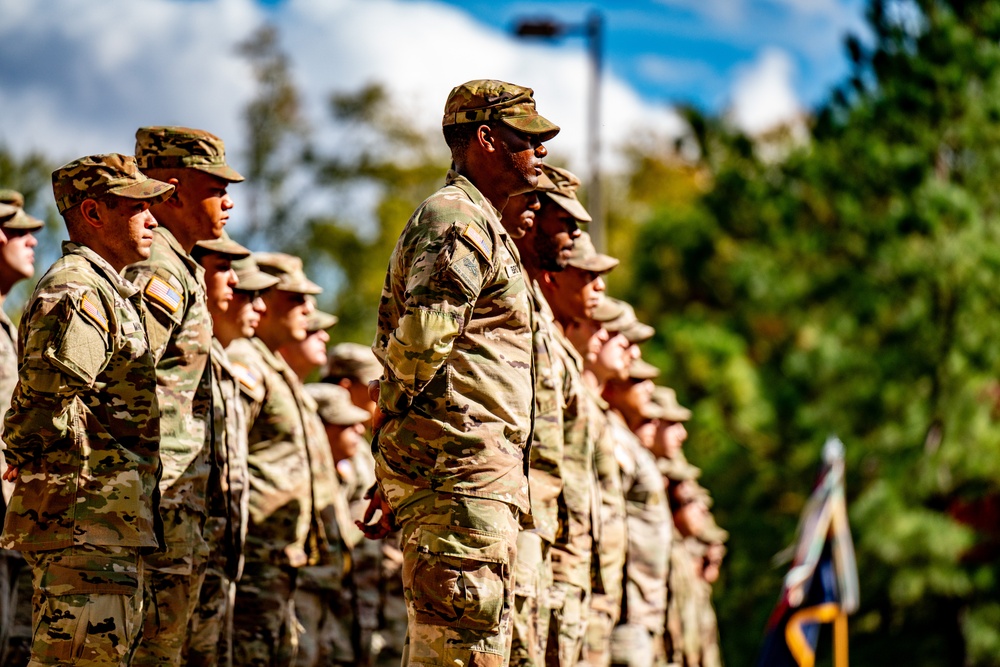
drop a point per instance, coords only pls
(163, 292)
(245, 375)
(94, 312)
(478, 241)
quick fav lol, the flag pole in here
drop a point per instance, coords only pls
(840, 640)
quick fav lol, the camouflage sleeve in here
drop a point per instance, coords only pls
(442, 285)
(163, 304)
(65, 345)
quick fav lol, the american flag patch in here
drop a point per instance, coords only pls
(479, 241)
(245, 375)
(95, 313)
(160, 290)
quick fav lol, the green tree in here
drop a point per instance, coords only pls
(850, 289)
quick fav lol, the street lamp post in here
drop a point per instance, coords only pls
(592, 30)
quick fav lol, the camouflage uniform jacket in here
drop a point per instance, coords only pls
(180, 337)
(83, 426)
(578, 511)
(610, 549)
(649, 530)
(8, 378)
(682, 638)
(229, 485)
(454, 336)
(285, 527)
(331, 503)
(546, 456)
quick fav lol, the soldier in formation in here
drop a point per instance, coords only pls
(177, 492)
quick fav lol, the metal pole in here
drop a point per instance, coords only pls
(598, 231)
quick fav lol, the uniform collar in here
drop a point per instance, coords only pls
(168, 236)
(101, 265)
(459, 181)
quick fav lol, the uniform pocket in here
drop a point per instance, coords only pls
(458, 577)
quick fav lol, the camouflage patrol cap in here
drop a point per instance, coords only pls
(586, 257)
(664, 400)
(642, 370)
(163, 147)
(711, 533)
(11, 197)
(629, 325)
(544, 183)
(678, 470)
(224, 245)
(607, 310)
(319, 320)
(484, 100)
(251, 278)
(108, 174)
(288, 270)
(354, 361)
(334, 404)
(563, 192)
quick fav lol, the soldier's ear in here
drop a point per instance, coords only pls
(90, 211)
(174, 199)
(487, 138)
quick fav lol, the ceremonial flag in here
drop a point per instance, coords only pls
(822, 584)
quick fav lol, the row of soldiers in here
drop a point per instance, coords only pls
(179, 495)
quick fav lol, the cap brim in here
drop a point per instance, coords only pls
(225, 172)
(150, 189)
(22, 220)
(256, 282)
(224, 246)
(637, 333)
(544, 184)
(349, 417)
(571, 206)
(301, 287)
(534, 124)
(320, 320)
(598, 263)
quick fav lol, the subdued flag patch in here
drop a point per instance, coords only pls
(245, 375)
(478, 241)
(91, 310)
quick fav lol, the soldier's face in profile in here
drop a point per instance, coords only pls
(17, 254)
(206, 202)
(519, 214)
(587, 336)
(613, 358)
(555, 232)
(344, 440)
(670, 437)
(287, 317)
(126, 232)
(577, 293)
(520, 159)
(220, 279)
(245, 312)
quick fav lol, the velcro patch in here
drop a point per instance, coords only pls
(246, 376)
(478, 241)
(94, 312)
(164, 293)
(466, 269)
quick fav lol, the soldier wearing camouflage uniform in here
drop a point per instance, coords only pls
(543, 231)
(85, 401)
(289, 470)
(231, 279)
(377, 574)
(574, 294)
(180, 336)
(17, 262)
(324, 594)
(454, 335)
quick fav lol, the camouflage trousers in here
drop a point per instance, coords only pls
(389, 640)
(458, 556)
(600, 625)
(174, 578)
(15, 609)
(570, 605)
(633, 645)
(210, 639)
(532, 610)
(88, 606)
(264, 627)
(328, 628)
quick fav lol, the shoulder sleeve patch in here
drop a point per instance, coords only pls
(478, 241)
(164, 293)
(246, 376)
(94, 311)
(83, 351)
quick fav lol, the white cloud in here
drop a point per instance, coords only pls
(763, 97)
(78, 77)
